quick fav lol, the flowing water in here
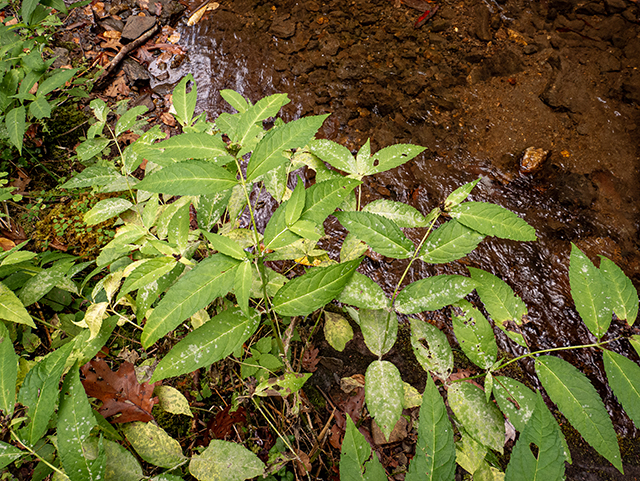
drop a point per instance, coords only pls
(477, 85)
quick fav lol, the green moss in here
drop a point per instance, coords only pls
(178, 426)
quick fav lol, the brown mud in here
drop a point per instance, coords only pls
(478, 84)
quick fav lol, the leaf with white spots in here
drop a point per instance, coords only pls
(106, 209)
(75, 421)
(450, 242)
(153, 444)
(580, 403)
(624, 378)
(433, 293)
(356, 461)
(210, 343)
(384, 394)
(225, 461)
(337, 330)
(517, 402)
(435, 458)
(459, 195)
(481, 419)
(402, 214)
(12, 309)
(431, 348)
(498, 298)
(363, 292)
(336, 155)
(40, 284)
(379, 329)
(491, 219)
(282, 386)
(172, 401)
(588, 289)
(474, 334)
(9, 454)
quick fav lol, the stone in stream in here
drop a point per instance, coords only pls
(137, 25)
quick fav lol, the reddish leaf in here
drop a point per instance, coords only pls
(310, 359)
(119, 391)
(222, 425)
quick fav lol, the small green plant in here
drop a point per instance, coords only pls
(159, 271)
(29, 87)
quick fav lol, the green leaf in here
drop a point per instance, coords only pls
(352, 247)
(475, 335)
(498, 298)
(188, 146)
(470, 454)
(460, 194)
(517, 402)
(306, 230)
(337, 330)
(153, 444)
(624, 378)
(28, 7)
(481, 419)
(75, 421)
(269, 153)
(356, 461)
(263, 109)
(211, 207)
(172, 401)
(210, 279)
(9, 453)
(94, 175)
(92, 147)
(144, 272)
(578, 400)
(282, 386)
(40, 284)
(391, 157)
(57, 80)
(236, 100)
(334, 154)
(211, 342)
(588, 290)
(242, 285)
(433, 293)
(624, 297)
(39, 393)
(401, 214)
(121, 465)
(431, 348)
(106, 209)
(324, 198)
(277, 234)
(361, 291)
(314, 289)
(380, 233)
(491, 219)
(384, 394)
(12, 309)
(8, 372)
(225, 245)
(295, 205)
(380, 329)
(450, 242)
(225, 461)
(548, 460)
(435, 458)
(129, 118)
(192, 177)
(15, 121)
(40, 108)
(185, 103)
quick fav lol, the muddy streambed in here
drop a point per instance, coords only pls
(477, 85)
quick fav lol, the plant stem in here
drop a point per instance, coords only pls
(33, 453)
(413, 258)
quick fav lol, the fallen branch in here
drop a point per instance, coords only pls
(123, 53)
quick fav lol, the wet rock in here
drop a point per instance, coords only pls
(283, 26)
(575, 189)
(591, 8)
(112, 24)
(615, 6)
(137, 25)
(170, 10)
(329, 46)
(135, 71)
(529, 49)
(482, 23)
(301, 66)
(607, 62)
(532, 159)
(631, 88)
(63, 57)
(145, 100)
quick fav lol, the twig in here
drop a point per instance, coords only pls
(124, 51)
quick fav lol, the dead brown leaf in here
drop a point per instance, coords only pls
(222, 424)
(15, 232)
(6, 244)
(310, 359)
(119, 391)
(168, 119)
(20, 183)
(118, 87)
(302, 462)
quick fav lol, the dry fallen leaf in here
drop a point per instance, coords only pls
(222, 424)
(20, 183)
(310, 359)
(6, 244)
(119, 391)
(118, 87)
(168, 119)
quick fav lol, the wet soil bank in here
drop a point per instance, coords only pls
(478, 84)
